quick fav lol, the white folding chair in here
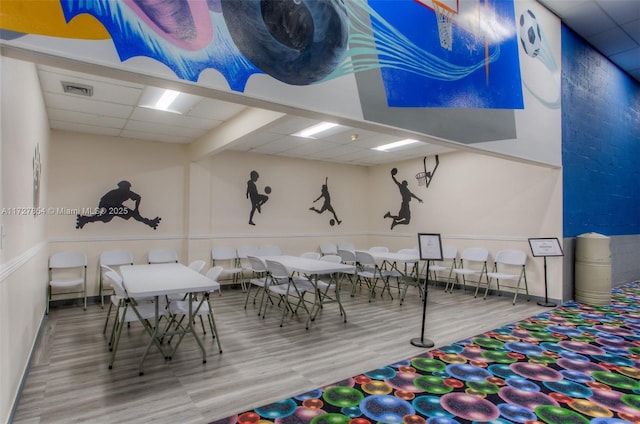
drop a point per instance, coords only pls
(111, 258)
(311, 255)
(259, 279)
(328, 249)
(348, 257)
(369, 271)
(243, 262)
(410, 275)
(129, 311)
(179, 309)
(285, 286)
(162, 256)
(227, 257)
(67, 270)
(473, 263)
(444, 269)
(505, 261)
(197, 266)
(346, 245)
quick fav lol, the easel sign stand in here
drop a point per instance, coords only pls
(430, 248)
(544, 247)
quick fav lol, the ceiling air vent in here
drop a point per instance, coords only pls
(78, 89)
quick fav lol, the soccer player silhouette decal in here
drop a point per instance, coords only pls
(112, 205)
(257, 199)
(326, 203)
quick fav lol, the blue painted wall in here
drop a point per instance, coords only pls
(600, 143)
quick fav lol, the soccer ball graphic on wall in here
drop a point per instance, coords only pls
(530, 34)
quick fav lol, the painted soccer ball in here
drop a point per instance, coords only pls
(530, 33)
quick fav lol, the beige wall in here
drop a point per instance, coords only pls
(472, 201)
(23, 257)
(475, 201)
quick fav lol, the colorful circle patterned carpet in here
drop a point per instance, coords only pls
(571, 364)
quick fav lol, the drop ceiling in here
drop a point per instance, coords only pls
(611, 26)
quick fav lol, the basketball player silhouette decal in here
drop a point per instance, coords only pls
(326, 203)
(404, 214)
(112, 205)
(257, 199)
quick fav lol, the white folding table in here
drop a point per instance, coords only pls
(155, 280)
(312, 269)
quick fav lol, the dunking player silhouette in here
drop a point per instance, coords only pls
(326, 205)
(404, 214)
(112, 205)
(257, 199)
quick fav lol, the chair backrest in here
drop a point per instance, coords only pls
(474, 254)
(257, 264)
(246, 251)
(511, 257)
(331, 258)
(270, 250)
(116, 257)
(277, 270)
(365, 258)
(116, 283)
(159, 256)
(328, 248)
(106, 268)
(449, 252)
(311, 255)
(67, 260)
(347, 256)
(197, 265)
(223, 253)
(214, 272)
(346, 245)
(379, 249)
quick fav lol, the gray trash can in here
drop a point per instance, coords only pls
(592, 275)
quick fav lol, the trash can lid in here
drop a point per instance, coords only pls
(593, 235)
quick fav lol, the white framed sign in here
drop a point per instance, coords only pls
(549, 246)
(430, 247)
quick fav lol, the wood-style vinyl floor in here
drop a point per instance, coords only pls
(69, 380)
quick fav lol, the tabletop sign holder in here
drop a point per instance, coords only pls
(544, 247)
(430, 249)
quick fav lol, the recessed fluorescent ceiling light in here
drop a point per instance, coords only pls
(315, 129)
(168, 100)
(395, 145)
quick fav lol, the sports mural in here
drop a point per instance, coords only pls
(304, 42)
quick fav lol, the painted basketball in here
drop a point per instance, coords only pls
(267, 189)
(394, 171)
(332, 222)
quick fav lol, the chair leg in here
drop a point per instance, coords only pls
(106, 321)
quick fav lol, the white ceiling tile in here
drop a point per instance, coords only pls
(86, 118)
(83, 128)
(165, 138)
(215, 110)
(169, 118)
(75, 103)
(164, 129)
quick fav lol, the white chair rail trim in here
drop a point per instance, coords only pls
(123, 237)
(14, 264)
